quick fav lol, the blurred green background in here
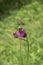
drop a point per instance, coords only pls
(31, 13)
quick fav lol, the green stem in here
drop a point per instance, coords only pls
(27, 50)
(21, 59)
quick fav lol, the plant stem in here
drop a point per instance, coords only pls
(27, 50)
(21, 59)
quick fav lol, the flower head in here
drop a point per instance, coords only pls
(18, 22)
(20, 33)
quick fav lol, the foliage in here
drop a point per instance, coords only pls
(10, 52)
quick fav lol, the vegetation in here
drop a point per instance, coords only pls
(30, 13)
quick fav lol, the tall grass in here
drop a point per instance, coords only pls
(14, 51)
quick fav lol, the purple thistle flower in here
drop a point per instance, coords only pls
(20, 22)
(21, 33)
(15, 34)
